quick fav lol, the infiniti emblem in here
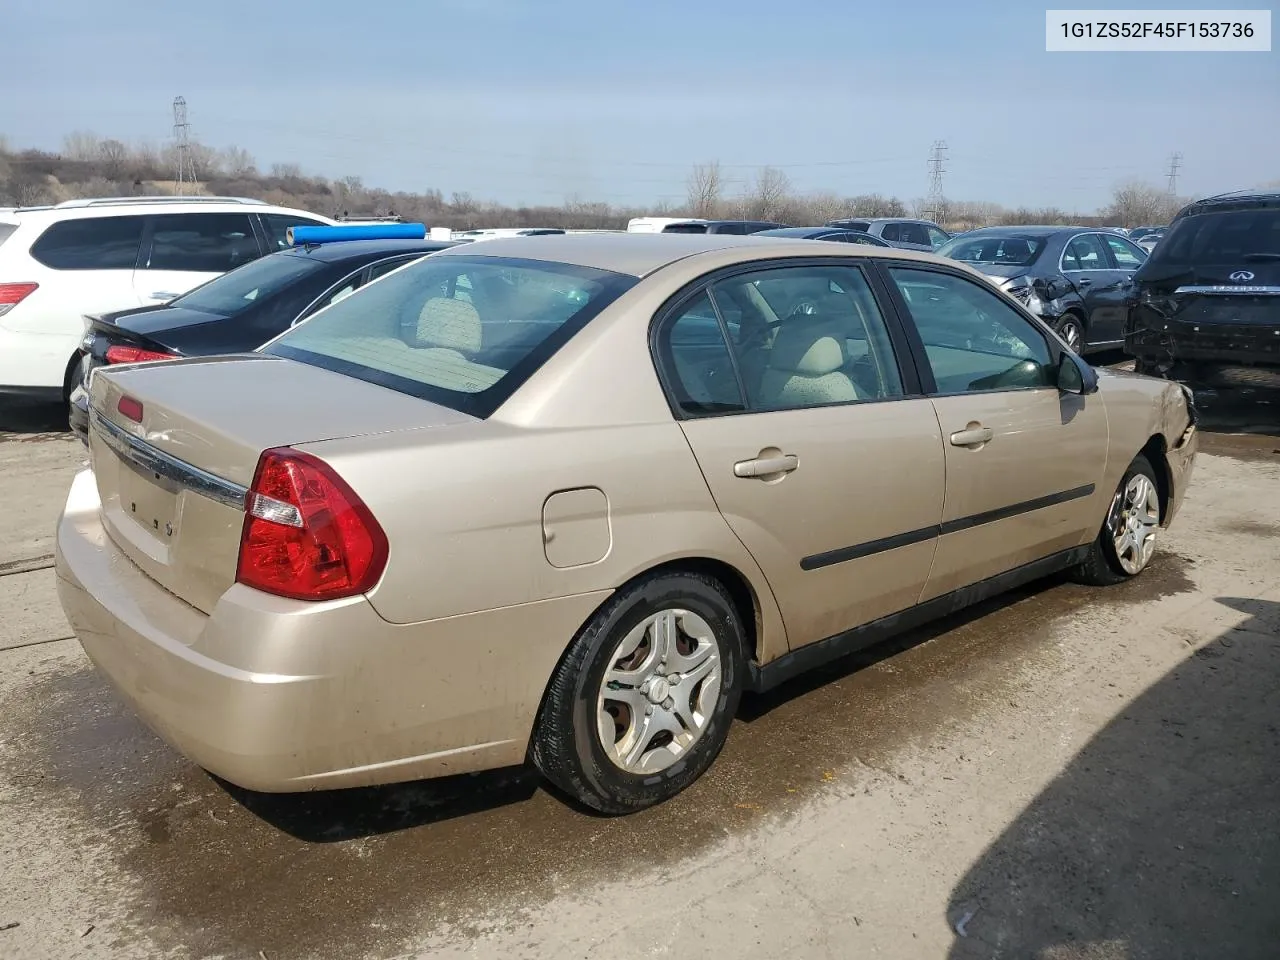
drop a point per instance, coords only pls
(1242, 276)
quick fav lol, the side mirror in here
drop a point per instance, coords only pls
(1076, 376)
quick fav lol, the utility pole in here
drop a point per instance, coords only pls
(186, 173)
(936, 156)
(1175, 162)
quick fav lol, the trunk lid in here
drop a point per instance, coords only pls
(172, 486)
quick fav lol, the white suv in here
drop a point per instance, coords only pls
(97, 256)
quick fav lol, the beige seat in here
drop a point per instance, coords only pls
(806, 365)
(449, 324)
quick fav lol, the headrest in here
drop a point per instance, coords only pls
(453, 324)
(810, 347)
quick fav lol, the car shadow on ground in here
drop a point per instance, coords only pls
(1160, 839)
(22, 417)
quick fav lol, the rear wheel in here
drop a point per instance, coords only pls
(1071, 329)
(1127, 541)
(642, 701)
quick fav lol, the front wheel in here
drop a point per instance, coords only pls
(642, 701)
(1127, 541)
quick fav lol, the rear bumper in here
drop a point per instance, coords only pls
(279, 695)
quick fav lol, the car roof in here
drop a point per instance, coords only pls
(640, 254)
(800, 231)
(883, 220)
(1030, 231)
(144, 206)
(366, 249)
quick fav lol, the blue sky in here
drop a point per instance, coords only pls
(536, 100)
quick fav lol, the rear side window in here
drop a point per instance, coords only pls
(277, 223)
(1220, 239)
(202, 242)
(891, 232)
(463, 332)
(91, 243)
(234, 292)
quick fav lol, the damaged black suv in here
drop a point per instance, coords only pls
(1208, 307)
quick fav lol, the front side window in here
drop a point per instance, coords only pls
(914, 233)
(936, 237)
(1128, 256)
(1085, 253)
(91, 243)
(974, 340)
(463, 332)
(202, 242)
(798, 337)
(234, 292)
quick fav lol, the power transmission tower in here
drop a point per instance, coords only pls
(1175, 162)
(186, 173)
(936, 156)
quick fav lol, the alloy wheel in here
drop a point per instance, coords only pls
(1133, 521)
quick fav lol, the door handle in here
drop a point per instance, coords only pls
(764, 467)
(165, 295)
(972, 436)
(1084, 281)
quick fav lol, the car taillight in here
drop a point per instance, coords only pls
(306, 534)
(12, 294)
(121, 353)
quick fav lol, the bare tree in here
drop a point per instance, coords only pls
(1136, 203)
(766, 197)
(113, 156)
(238, 162)
(705, 186)
(283, 171)
(81, 145)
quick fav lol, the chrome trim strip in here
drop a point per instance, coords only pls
(144, 455)
(1230, 289)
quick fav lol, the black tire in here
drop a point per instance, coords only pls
(1102, 567)
(1065, 322)
(566, 746)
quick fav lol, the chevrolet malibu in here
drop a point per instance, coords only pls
(564, 499)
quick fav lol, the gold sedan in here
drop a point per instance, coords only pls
(564, 498)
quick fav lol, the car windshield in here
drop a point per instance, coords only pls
(1014, 251)
(240, 289)
(1220, 239)
(463, 332)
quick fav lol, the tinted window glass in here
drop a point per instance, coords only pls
(1220, 239)
(701, 370)
(973, 339)
(891, 232)
(685, 228)
(1013, 251)
(808, 336)
(277, 223)
(914, 233)
(1128, 256)
(458, 331)
(92, 243)
(202, 242)
(1085, 253)
(386, 266)
(240, 289)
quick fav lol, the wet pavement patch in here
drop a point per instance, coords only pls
(215, 869)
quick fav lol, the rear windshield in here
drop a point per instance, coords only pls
(1012, 251)
(463, 332)
(240, 289)
(1221, 239)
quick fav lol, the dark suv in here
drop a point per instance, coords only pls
(1208, 298)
